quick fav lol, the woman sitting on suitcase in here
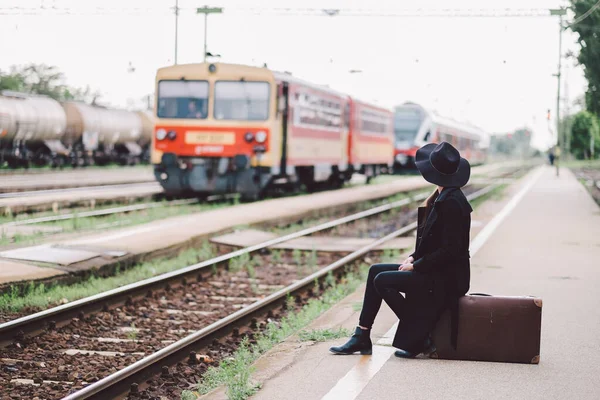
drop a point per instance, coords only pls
(436, 274)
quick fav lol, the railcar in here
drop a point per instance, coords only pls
(43, 131)
(415, 126)
(103, 135)
(31, 129)
(225, 128)
(371, 149)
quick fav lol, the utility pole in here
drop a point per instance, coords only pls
(207, 10)
(559, 138)
(566, 120)
(176, 26)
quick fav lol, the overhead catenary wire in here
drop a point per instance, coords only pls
(281, 11)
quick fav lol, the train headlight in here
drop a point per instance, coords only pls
(161, 134)
(249, 137)
(172, 135)
(261, 136)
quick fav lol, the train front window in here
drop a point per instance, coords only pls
(241, 101)
(183, 99)
(406, 125)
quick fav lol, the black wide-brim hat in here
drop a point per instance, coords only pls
(442, 165)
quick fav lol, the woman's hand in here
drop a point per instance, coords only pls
(406, 267)
(409, 260)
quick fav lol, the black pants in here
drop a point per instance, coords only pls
(385, 282)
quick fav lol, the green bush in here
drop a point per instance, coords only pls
(585, 136)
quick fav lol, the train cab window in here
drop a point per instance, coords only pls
(242, 100)
(427, 136)
(407, 123)
(182, 99)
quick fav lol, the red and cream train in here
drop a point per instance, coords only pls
(224, 128)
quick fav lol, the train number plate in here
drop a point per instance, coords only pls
(210, 138)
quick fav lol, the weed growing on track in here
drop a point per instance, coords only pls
(133, 333)
(276, 256)
(239, 263)
(297, 256)
(235, 372)
(323, 335)
(42, 296)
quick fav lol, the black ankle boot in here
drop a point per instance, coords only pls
(427, 348)
(360, 341)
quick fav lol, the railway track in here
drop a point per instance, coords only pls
(113, 210)
(48, 179)
(126, 335)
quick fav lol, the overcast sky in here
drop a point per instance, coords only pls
(493, 72)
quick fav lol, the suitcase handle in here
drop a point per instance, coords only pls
(480, 294)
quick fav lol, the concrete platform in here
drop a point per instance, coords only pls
(250, 237)
(543, 239)
(11, 271)
(52, 179)
(169, 236)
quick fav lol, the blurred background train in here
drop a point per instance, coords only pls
(37, 130)
(415, 126)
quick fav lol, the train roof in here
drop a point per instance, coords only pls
(288, 77)
(449, 122)
(179, 71)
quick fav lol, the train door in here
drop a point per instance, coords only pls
(283, 114)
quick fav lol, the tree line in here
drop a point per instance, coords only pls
(583, 128)
(42, 79)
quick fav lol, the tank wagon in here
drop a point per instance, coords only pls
(41, 131)
(225, 128)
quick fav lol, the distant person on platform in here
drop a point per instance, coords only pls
(436, 274)
(551, 155)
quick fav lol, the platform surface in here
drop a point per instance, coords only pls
(251, 237)
(12, 271)
(544, 240)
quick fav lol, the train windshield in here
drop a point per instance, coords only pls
(241, 101)
(406, 125)
(183, 99)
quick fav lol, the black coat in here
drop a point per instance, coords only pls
(442, 254)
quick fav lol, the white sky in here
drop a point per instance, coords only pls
(493, 72)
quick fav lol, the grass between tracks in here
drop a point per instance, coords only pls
(496, 194)
(39, 296)
(592, 164)
(83, 224)
(235, 372)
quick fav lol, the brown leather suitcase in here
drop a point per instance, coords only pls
(492, 328)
